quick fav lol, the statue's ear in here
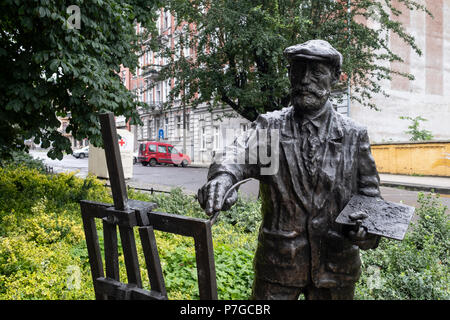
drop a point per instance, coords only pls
(336, 76)
(289, 71)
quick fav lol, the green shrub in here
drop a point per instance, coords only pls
(22, 158)
(234, 271)
(42, 242)
(417, 267)
(40, 225)
(416, 134)
(245, 214)
(234, 245)
(175, 202)
(43, 253)
(33, 271)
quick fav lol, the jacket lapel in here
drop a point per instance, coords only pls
(290, 145)
(330, 173)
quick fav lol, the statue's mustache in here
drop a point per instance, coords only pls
(317, 92)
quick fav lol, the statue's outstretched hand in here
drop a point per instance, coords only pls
(210, 196)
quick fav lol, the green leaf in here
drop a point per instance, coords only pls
(41, 12)
(86, 57)
(15, 105)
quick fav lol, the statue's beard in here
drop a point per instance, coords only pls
(308, 99)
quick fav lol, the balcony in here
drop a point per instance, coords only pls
(151, 71)
(155, 106)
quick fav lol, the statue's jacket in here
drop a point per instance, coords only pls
(299, 242)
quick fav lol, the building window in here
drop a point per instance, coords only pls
(158, 24)
(177, 47)
(166, 128)
(203, 138)
(185, 35)
(149, 129)
(186, 49)
(124, 77)
(216, 137)
(166, 19)
(158, 93)
(149, 57)
(166, 86)
(179, 126)
(157, 127)
(150, 96)
(169, 86)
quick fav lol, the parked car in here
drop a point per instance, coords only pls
(81, 153)
(153, 153)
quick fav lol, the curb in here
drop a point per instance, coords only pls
(416, 187)
(199, 165)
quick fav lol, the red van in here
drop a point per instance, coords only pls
(153, 152)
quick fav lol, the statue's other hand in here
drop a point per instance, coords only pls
(363, 239)
(210, 196)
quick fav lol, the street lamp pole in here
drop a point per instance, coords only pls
(348, 57)
(184, 121)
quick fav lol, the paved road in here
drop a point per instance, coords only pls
(190, 179)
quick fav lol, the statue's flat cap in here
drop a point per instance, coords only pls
(319, 50)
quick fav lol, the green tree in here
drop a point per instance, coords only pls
(414, 131)
(50, 68)
(239, 48)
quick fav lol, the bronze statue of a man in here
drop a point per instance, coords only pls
(324, 159)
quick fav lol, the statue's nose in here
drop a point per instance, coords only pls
(305, 78)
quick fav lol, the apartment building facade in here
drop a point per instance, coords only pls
(206, 132)
(428, 95)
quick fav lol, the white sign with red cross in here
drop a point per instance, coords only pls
(97, 158)
(125, 140)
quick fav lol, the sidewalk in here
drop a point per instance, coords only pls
(415, 183)
(418, 183)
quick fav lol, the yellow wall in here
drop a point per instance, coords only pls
(425, 158)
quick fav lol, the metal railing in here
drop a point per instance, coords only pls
(151, 190)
